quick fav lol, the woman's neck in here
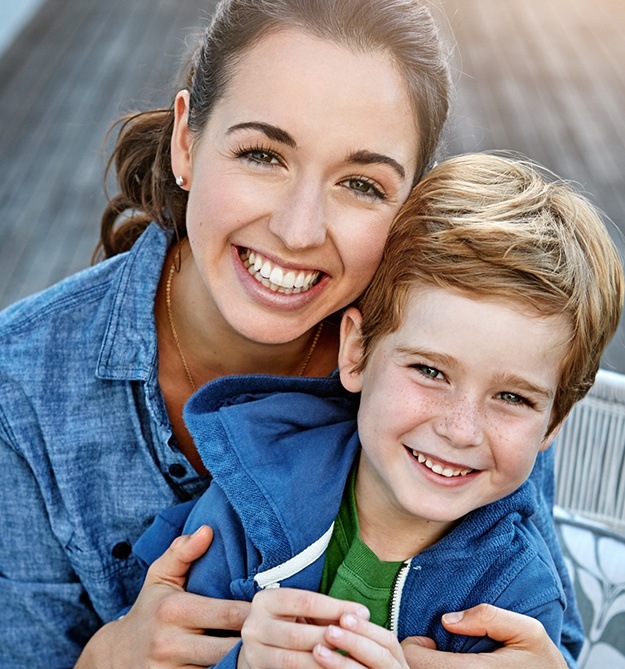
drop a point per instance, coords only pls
(196, 345)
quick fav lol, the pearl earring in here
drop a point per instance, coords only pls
(180, 181)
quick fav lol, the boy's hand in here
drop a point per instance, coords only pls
(284, 625)
(367, 644)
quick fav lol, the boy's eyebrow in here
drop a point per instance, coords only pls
(525, 384)
(271, 131)
(514, 380)
(432, 356)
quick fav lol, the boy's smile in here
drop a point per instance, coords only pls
(455, 406)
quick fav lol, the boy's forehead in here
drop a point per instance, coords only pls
(457, 328)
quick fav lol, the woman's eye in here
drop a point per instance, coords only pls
(429, 372)
(365, 188)
(261, 156)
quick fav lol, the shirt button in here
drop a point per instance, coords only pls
(121, 550)
(177, 470)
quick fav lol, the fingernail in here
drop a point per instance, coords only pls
(335, 632)
(363, 612)
(349, 621)
(322, 650)
(454, 617)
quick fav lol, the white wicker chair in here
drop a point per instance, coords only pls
(590, 517)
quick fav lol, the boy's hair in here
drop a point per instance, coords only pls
(492, 226)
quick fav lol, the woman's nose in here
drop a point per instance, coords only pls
(300, 221)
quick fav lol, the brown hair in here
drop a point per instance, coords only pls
(404, 29)
(493, 226)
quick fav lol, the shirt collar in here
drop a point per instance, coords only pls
(129, 345)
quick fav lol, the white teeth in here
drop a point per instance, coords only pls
(277, 278)
(448, 472)
(289, 280)
(265, 270)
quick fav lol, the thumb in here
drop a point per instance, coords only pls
(419, 642)
(172, 567)
(508, 627)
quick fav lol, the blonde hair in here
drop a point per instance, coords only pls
(495, 226)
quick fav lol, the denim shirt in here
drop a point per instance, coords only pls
(87, 454)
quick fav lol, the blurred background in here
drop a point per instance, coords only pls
(542, 77)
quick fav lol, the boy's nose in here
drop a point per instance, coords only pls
(300, 221)
(461, 423)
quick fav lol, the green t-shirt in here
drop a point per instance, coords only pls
(352, 571)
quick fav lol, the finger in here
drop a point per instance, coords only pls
(172, 567)
(283, 634)
(196, 612)
(270, 657)
(511, 629)
(289, 602)
(366, 651)
(189, 649)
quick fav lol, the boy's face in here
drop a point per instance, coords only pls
(455, 405)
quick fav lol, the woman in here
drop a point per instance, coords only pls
(304, 126)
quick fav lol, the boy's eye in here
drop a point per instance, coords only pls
(364, 187)
(513, 398)
(429, 372)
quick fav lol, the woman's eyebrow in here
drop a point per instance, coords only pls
(369, 158)
(271, 131)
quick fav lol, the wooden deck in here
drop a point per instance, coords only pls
(543, 77)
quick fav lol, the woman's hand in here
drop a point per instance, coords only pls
(284, 625)
(526, 644)
(165, 627)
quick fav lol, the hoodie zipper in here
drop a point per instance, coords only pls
(398, 589)
(272, 577)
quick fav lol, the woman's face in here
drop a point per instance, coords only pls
(294, 183)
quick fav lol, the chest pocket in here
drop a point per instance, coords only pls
(110, 574)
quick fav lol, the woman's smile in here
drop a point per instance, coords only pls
(278, 279)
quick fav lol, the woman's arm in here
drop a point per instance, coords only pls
(165, 627)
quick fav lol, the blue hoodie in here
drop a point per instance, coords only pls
(280, 451)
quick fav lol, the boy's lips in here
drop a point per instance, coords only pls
(276, 277)
(440, 467)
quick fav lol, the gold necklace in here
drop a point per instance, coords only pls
(311, 350)
(170, 277)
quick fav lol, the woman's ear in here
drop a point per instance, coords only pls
(181, 141)
(350, 350)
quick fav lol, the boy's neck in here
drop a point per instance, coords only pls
(391, 533)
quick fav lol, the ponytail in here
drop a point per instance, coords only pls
(148, 191)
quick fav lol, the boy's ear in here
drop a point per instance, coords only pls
(549, 439)
(350, 351)
(181, 140)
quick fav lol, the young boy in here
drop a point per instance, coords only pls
(486, 321)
